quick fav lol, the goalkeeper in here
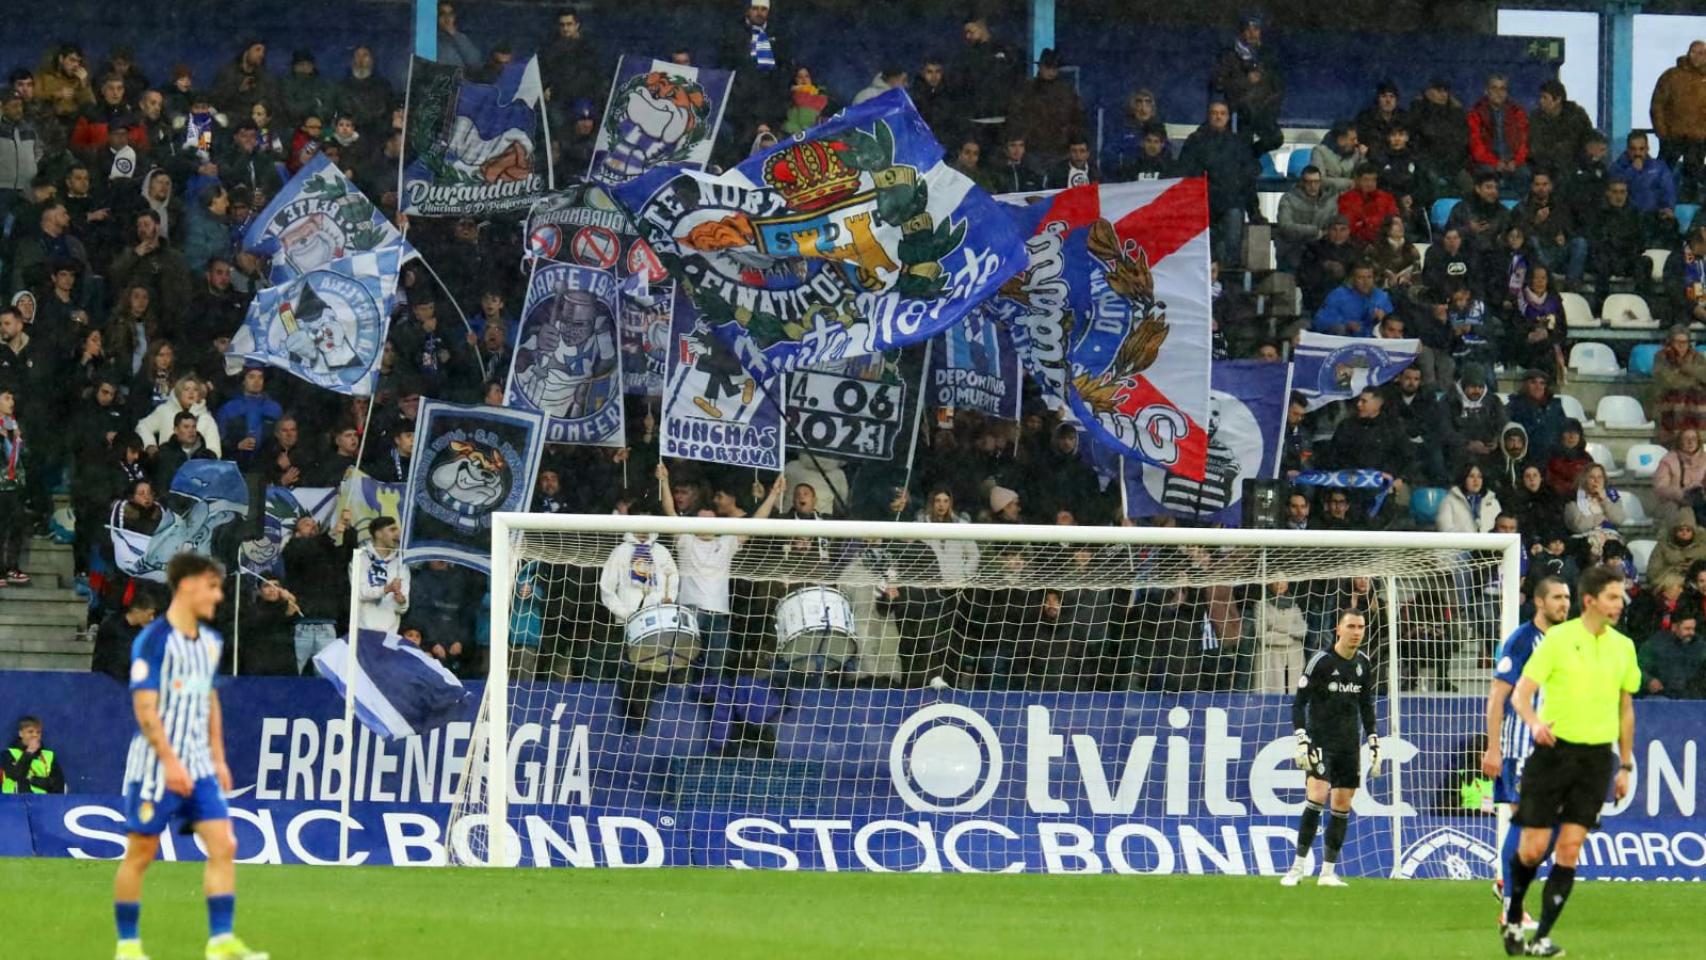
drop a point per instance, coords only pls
(1334, 704)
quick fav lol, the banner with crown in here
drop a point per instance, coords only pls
(843, 241)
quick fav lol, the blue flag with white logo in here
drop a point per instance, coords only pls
(659, 113)
(264, 555)
(475, 149)
(849, 239)
(399, 690)
(326, 326)
(204, 496)
(1246, 430)
(469, 463)
(973, 366)
(567, 363)
(1330, 368)
(319, 216)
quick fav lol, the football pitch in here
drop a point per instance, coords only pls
(379, 913)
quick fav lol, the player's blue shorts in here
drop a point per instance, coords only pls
(152, 817)
(1505, 784)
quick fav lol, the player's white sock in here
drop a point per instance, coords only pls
(1329, 868)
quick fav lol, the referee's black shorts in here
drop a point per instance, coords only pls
(1567, 783)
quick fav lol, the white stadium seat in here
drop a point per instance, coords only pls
(1634, 514)
(1642, 551)
(1658, 255)
(1573, 409)
(1628, 311)
(1617, 412)
(1577, 314)
(1594, 359)
(1602, 455)
(1643, 459)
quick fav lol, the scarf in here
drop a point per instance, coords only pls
(124, 163)
(1350, 480)
(763, 53)
(1246, 54)
(1475, 505)
(11, 448)
(198, 133)
(1471, 406)
(1693, 277)
(1516, 275)
(1541, 308)
(640, 568)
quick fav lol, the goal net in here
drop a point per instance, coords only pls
(920, 696)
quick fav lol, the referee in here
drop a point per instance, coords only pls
(1587, 672)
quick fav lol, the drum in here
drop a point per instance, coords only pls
(815, 632)
(662, 638)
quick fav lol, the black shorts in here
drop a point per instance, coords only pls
(1567, 783)
(1341, 768)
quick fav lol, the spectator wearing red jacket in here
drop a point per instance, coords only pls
(1366, 206)
(1498, 135)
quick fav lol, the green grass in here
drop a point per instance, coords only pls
(380, 913)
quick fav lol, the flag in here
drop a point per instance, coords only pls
(582, 225)
(319, 217)
(327, 326)
(659, 114)
(368, 499)
(714, 409)
(470, 462)
(474, 148)
(1246, 433)
(1330, 368)
(850, 239)
(264, 556)
(1112, 314)
(567, 365)
(204, 496)
(974, 366)
(399, 691)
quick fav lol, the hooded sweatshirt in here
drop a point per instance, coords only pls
(1511, 465)
(1673, 554)
(161, 207)
(639, 573)
(379, 610)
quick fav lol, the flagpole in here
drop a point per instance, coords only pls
(422, 260)
(403, 145)
(917, 420)
(1125, 496)
(237, 622)
(352, 674)
(545, 121)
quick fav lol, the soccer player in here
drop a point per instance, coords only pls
(1588, 673)
(1335, 699)
(1508, 741)
(176, 772)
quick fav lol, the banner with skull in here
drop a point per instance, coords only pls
(567, 364)
(474, 149)
(326, 326)
(319, 216)
(470, 462)
(659, 113)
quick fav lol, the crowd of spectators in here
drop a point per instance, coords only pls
(125, 189)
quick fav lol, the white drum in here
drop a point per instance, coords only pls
(815, 632)
(662, 638)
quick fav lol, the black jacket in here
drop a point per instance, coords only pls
(1227, 159)
(316, 570)
(1376, 443)
(113, 643)
(1440, 135)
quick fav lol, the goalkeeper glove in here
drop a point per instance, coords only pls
(1307, 755)
(1373, 756)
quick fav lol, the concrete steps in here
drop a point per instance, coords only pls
(41, 625)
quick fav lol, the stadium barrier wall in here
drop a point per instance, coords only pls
(860, 779)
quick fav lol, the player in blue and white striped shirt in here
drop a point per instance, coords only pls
(1509, 741)
(175, 775)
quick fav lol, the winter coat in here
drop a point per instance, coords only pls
(1678, 475)
(1542, 423)
(1679, 102)
(20, 154)
(204, 239)
(1482, 135)
(1584, 520)
(1652, 186)
(155, 429)
(1302, 218)
(626, 585)
(956, 559)
(379, 610)
(317, 569)
(1679, 667)
(1046, 113)
(1673, 556)
(1456, 517)
(1367, 212)
(1555, 141)
(1345, 306)
(172, 456)
(1679, 391)
(1337, 170)
(1440, 135)
(1376, 443)
(1224, 156)
(1485, 422)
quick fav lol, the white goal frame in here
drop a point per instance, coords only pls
(496, 698)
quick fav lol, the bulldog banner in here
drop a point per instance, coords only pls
(319, 217)
(715, 410)
(659, 114)
(470, 462)
(851, 239)
(474, 148)
(566, 364)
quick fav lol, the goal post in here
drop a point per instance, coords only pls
(951, 695)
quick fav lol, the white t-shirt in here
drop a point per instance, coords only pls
(704, 566)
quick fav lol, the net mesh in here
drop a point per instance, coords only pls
(695, 700)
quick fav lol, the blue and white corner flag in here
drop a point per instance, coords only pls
(328, 325)
(401, 692)
(1328, 368)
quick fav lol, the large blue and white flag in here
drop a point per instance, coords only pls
(204, 496)
(1330, 368)
(319, 216)
(846, 240)
(974, 366)
(474, 148)
(659, 114)
(264, 556)
(327, 326)
(399, 690)
(714, 409)
(567, 364)
(1246, 431)
(470, 462)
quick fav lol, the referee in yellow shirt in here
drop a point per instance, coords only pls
(1586, 672)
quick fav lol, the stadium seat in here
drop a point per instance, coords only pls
(1641, 358)
(1574, 410)
(1601, 455)
(1685, 214)
(1617, 412)
(1628, 311)
(1594, 359)
(1643, 459)
(1509, 202)
(1422, 250)
(1442, 211)
(1658, 255)
(1641, 551)
(1424, 504)
(1634, 514)
(1295, 163)
(1577, 314)
(1270, 170)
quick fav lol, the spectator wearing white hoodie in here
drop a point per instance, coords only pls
(639, 573)
(381, 579)
(157, 428)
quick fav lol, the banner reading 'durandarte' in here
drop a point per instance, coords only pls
(475, 149)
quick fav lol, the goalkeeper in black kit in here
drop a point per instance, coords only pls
(1333, 713)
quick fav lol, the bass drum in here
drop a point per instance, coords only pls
(815, 632)
(662, 638)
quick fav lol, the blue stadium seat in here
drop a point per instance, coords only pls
(1685, 214)
(1442, 211)
(1270, 171)
(1509, 202)
(1298, 160)
(1424, 504)
(1641, 358)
